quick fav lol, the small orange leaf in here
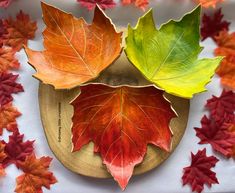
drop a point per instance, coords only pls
(226, 70)
(2, 157)
(7, 59)
(2, 152)
(226, 40)
(121, 121)
(142, 4)
(19, 31)
(8, 115)
(75, 52)
(208, 3)
(36, 175)
(2, 171)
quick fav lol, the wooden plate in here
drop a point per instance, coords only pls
(56, 113)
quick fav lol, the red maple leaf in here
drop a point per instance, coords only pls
(2, 29)
(217, 135)
(199, 172)
(17, 150)
(8, 115)
(19, 31)
(5, 3)
(212, 25)
(90, 4)
(222, 108)
(36, 175)
(121, 121)
(7, 59)
(8, 86)
(142, 4)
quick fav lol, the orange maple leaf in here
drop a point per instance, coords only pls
(36, 175)
(18, 31)
(2, 157)
(7, 59)
(75, 52)
(226, 70)
(208, 3)
(8, 115)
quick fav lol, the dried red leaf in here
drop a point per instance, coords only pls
(8, 86)
(213, 24)
(222, 108)
(5, 3)
(208, 3)
(36, 175)
(90, 4)
(121, 121)
(142, 4)
(199, 172)
(17, 150)
(2, 29)
(19, 31)
(8, 115)
(7, 59)
(218, 136)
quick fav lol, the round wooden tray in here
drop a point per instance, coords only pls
(56, 114)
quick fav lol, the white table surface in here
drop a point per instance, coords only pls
(164, 179)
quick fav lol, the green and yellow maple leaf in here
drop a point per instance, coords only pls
(168, 57)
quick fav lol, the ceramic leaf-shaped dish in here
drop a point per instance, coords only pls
(75, 52)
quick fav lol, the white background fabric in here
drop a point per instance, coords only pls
(164, 179)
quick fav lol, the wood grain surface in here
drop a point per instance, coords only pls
(56, 114)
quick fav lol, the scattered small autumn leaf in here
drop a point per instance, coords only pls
(199, 172)
(227, 72)
(90, 4)
(18, 31)
(121, 121)
(8, 86)
(213, 24)
(2, 30)
(219, 137)
(7, 59)
(16, 149)
(2, 157)
(222, 107)
(142, 4)
(74, 49)
(5, 3)
(208, 3)
(8, 115)
(36, 175)
(2, 152)
(2, 171)
(225, 40)
(226, 47)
